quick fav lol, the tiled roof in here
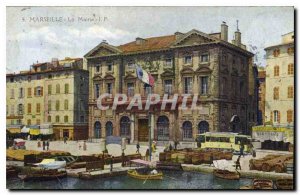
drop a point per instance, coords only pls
(149, 44)
(261, 74)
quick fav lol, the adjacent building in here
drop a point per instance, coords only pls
(221, 73)
(279, 102)
(261, 96)
(52, 94)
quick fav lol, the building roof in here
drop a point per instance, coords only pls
(261, 74)
(278, 45)
(149, 44)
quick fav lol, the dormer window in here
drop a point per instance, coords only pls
(188, 60)
(130, 65)
(168, 62)
(204, 58)
(110, 66)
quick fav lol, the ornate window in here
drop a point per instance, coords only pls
(289, 114)
(38, 108)
(97, 90)
(187, 130)
(276, 71)
(276, 52)
(20, 109)
(276, 116)
(66, 88)
(290, 92)
(204, 58)
(168, 85)
(109, 66)
(130, 89)
(109, 128)
(187, 59)
(291, 69)
(97, 129)
(57, 119)
(276, 93)
(66, 119)
(57, 88)
(49, 89)
(125, 127)
(162, 128)
(203, 127)
(188, 85)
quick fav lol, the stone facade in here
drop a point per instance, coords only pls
(53, 93)
(203, 65)
(262, 96)
(279, 107)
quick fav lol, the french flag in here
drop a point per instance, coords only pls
(144, 76)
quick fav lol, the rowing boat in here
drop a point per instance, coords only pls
(225, 174)
(262, 184)
(136, 175)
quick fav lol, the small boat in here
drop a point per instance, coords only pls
(285, 184)
(262, 184)
(136, 175)
(51, 164)
(42, 175)
(225, 174)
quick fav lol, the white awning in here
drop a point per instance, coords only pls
(25, 129)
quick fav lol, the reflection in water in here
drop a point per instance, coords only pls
(172, 180)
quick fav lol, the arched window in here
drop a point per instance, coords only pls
(57, 88)
(97, 129)
(276, 70)
(109, 128)
(162, 128)
(203, 127)
(187, 130)
(125, 127)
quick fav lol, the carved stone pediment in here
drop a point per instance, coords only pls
(97, 78)
(109, 77)
(194, 37)
(103, 49)
(167, 73)
(203, 70)
(129, 77)
(187, 70)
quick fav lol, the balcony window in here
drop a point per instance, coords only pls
(168, 86)
(98, 68)
(130, 89)
(110, 66)
(168, 62)
(188, 60)
(204, 58)
(97, 91)
(188, 84)
(204, 85)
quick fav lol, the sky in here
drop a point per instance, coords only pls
(74, 31)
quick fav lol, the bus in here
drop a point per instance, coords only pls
(224, 140)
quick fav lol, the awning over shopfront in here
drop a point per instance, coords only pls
(46, 129)
(263, 133)
(14, 128)
(25, 129)
(34, 130)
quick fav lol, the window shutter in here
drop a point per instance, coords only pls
(41, 91)
(271, 116)
(34, 91)
(278, 116)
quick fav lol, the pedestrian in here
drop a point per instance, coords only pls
(79, 145)
(138, 148)
(39, 144)
(47, 144)
(237, 163)
(147, 154)
(170, 147)
(111, 163)
(242, 149)
(175, 144)
(84, 145)
(211, 159)
(65, 140)
(44, 144)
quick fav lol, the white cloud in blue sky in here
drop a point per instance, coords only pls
(28, 42)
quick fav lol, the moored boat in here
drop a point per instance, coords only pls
(225, 174)
(284, 184)
(262, 184)
(136, 175)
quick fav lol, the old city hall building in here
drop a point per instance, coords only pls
(220, 73)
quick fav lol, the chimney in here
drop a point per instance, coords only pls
(178, 35)
(104, 42)
(139, 41)
(237, 35)
(224, 31)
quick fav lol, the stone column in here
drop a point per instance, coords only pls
(131, 128)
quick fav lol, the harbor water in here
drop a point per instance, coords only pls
(171, 180)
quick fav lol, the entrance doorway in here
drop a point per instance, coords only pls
(143, 131)
(66, 133)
